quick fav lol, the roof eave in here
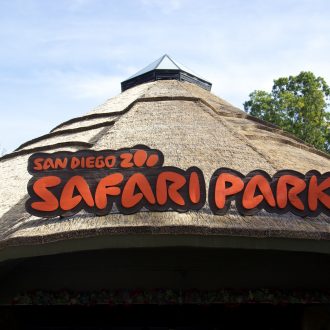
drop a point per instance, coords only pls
(27, 247)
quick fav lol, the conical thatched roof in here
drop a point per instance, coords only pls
(191, 127)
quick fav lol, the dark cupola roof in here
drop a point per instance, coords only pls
(165, 68)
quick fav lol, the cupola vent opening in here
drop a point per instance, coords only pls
(165, 68)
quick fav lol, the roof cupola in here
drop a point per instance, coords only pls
(165, 68)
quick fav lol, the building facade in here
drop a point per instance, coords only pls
(165, 267)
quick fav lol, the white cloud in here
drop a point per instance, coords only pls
(79, 84)
(93, 87)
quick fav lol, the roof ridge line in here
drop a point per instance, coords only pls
(240, 136)
(174, 62)
(287, 141)
(160, 61)
(88, 117)
(50, 146)
(121, 112)
(64, 132)
(278, 130)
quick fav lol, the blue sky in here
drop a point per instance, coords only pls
(61, 58)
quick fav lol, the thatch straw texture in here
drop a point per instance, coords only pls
(122, 100)
(191, 127)
(85, 123)
(84, 136)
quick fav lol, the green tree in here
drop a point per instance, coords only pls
(298, 104)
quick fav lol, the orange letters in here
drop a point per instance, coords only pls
(64, 183)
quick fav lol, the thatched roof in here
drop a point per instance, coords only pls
(191, 127)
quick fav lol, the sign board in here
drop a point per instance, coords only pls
(130, 179)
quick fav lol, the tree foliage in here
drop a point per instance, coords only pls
(298, 104)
